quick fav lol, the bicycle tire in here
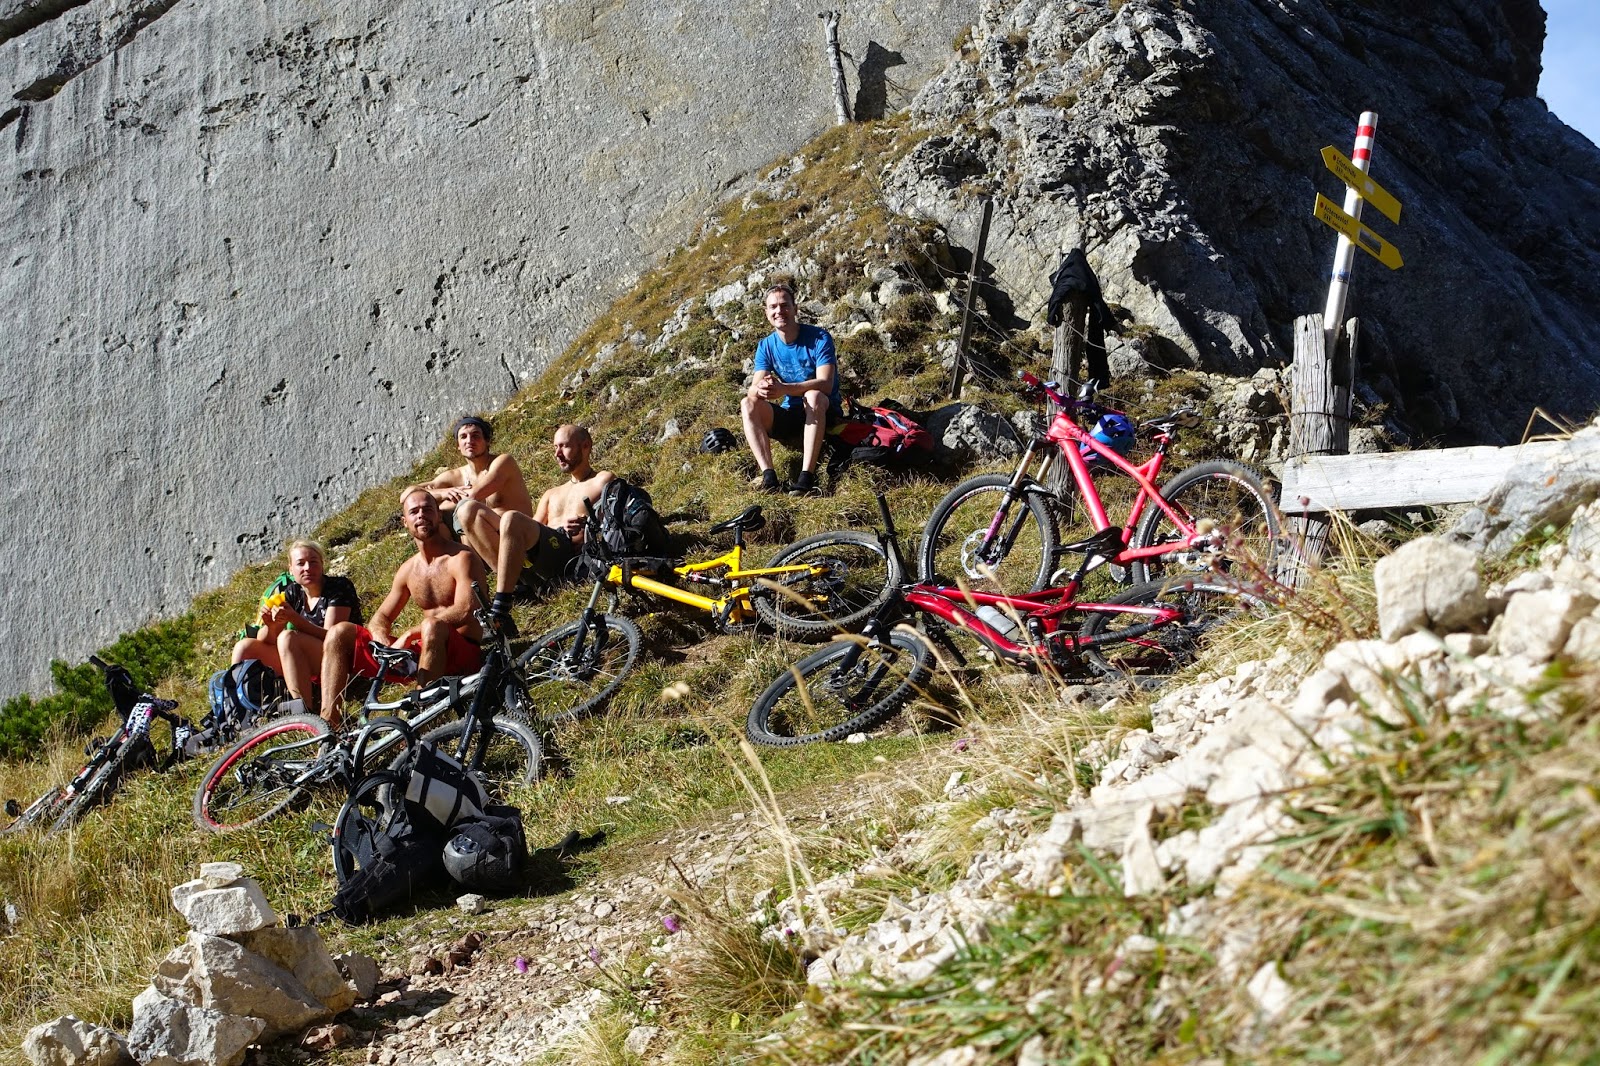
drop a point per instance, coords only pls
(560, 690)
(46, 806)
(100, 784)
(247, 786)
(952, 538)
(861, 574)
(809, 701)
(1223, 492)
(364, 817)
(1167, 648)
(515, 755)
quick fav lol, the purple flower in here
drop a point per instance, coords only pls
(521, 964)
(670, 923)
(594, 956)
(963, 744)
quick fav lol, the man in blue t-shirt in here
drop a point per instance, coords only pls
(795, 391)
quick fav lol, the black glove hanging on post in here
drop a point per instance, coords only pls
(1075, 275)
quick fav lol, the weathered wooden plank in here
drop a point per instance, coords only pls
(1319, 483)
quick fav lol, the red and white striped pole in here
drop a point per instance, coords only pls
(1344, 252)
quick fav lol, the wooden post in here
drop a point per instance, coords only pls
(1319, 424)
(841, 97)
(958, 372)
(1066, 361)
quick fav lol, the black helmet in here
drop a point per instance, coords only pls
(718, 440)
(484, 860)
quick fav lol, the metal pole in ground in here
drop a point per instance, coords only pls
(1344, 251)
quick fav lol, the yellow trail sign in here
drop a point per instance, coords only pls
(1370, 191)
(1361, 236)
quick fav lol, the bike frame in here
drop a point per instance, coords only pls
(1040, 613)
(1066, 437)
(733, 605)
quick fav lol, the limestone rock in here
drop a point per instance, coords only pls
(1537, 624)
(220, 975)
(236, 908)
(167, 1032)
(361, 972)
(974, 432)
(1535, 494)
(1428, 583)
(302, 952)
(66, 1041)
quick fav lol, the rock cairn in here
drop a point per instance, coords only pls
(240, 978)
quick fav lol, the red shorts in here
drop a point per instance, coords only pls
(461, 656)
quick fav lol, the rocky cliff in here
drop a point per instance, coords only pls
(1178, 143)
(260, 254)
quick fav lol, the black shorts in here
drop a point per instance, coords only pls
(791, 421)
(548, 560)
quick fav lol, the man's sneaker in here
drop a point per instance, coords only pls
(805, 485)
(767, 481)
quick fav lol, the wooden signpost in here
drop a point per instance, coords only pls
(1324, 374)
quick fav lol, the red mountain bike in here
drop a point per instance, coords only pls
(857, 683)
(995, 531)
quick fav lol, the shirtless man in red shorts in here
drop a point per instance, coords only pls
(439, 577)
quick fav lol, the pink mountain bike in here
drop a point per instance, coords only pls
(999, 532)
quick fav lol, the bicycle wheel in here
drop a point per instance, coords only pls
(564, 682)
(514, 757)
(1132, 648)
(843, 689)
(362, 820)
(262, 775)
(957, 545)
(45, 807)
(1228, 502)
(99, 787)
(859, 574)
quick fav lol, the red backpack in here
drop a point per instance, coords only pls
(882, 435)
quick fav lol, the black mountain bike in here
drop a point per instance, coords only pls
(110, 758)
(278, 764)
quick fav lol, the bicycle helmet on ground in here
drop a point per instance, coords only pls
(718, 440)
(486, 856)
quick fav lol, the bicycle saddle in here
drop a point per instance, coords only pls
(388, 656)
(748, 521)
(1182, 418)
(1107, 542)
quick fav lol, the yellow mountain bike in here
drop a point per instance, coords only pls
(814, 588)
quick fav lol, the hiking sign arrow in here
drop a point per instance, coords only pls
(1359, 235)
(1370, 191)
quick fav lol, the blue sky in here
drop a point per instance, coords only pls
(1571, 80)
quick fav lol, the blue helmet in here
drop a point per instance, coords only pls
(1113, 428)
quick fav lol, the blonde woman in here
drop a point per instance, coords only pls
(291, 632)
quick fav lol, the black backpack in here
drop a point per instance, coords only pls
(629, 524)
(398, 848)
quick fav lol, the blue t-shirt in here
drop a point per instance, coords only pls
(799, 361)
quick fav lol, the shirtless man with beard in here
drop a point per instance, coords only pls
(439, 578)
(550, 539)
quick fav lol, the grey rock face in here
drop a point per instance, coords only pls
(259, 255)
(1178, 144)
